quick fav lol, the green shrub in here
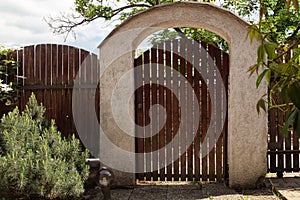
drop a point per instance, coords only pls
(35, 160)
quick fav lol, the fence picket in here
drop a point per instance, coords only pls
(147, 99)
(161, 116)
(204, 111)
(197, 100)
(176, 108)
(182, 118)
(154, 95)
(139, 116)
(168, 106)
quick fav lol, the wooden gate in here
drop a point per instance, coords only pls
(157, 75)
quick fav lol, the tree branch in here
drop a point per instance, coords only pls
(65, 24)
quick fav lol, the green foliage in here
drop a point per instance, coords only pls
(163, 36)
(7, 68)
(90, 10)
(35, 161)
(278, 57)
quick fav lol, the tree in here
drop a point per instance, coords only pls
(276, 24)
(36, 161)
(87, 11)
(278, 60)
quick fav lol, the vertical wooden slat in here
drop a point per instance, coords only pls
(288, 148)
(154, 89)
(225, 74)
(21, 81)
(168, 108)
(272, 141)
(41, 68)
(146, 113)
(88, 91)
(49, 65)
(67, 95)
(204, 109)
(272, 145)
(59, 92)
(198, 102)
(139, 117)
(76, 73)
(72, 73)
(176, 109)
(48, 80)
(54, 66)
(280, 140)
(83, 92)
(189, 110)
(29, 65)
(162, 116)
(77, 62)
(29, 71)
(211, 113)
(296, 155)
(20, 68)
(43, 64)
(183, 110)
(72, 76)
(97, 92)
(219, 101)
(38, 64)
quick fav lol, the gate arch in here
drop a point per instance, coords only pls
(247, 132)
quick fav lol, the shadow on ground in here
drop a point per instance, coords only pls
(184, 192)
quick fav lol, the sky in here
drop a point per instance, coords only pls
(22, 23)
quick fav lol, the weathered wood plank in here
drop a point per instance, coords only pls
(162, 172)
(154, 90)
(176, 109)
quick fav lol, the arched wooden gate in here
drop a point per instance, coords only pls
(161, 86)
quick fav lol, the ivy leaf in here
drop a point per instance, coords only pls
(270, 49)
(253, 32)
(289, 122)
(293, 93)
(297, 123)
(260, 54)
(253, 69)
(260, 77)
(260, 104)
(284, 94)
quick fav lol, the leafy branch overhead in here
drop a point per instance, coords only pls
(87, 11)
(276, 23)
(278, 59)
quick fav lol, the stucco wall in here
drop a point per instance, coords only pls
(247, 132)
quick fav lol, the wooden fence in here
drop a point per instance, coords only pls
(168, 88)
(283, 152)
(49, 71)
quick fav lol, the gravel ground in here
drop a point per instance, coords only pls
(184, 192)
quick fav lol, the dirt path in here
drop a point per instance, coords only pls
(186, 192)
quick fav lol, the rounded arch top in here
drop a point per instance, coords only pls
(181, 14)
